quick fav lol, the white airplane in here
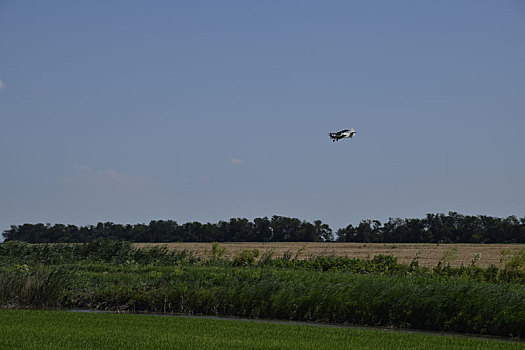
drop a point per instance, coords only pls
(336, 136)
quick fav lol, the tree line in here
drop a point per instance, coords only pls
(434, 228)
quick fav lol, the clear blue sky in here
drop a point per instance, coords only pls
(129, 111)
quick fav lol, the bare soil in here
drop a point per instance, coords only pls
(427, 254)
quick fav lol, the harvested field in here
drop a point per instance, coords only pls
(427, 254)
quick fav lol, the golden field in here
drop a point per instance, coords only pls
(427, 254)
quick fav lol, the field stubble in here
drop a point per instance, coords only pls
(427, 254)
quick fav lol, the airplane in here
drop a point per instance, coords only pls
(336, 136)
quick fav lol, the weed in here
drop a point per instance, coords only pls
(475, 259)
(245, 257)
(447, 257)
(217, 252)
(266, 258)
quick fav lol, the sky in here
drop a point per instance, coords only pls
(131, 111)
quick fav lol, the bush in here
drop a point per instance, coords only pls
(245, 257)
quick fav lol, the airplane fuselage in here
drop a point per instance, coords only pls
(343, 134)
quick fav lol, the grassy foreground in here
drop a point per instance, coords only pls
(28, 329)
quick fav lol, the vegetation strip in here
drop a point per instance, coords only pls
(112, 275)
(62, 330)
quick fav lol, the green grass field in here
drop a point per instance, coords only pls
(28, 329)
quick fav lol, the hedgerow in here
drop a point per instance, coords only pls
(424, 302)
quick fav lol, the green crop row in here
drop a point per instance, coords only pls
(101, 251)
(123, 253)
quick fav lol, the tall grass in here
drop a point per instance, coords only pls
(423, 302)
(36, 288)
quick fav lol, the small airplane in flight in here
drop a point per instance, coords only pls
(343, 134)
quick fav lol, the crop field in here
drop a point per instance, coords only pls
(32, 329)
(427, 254)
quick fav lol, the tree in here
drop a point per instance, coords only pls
(262, 230)
(368, 231)
(323, 231)
(347, 234)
